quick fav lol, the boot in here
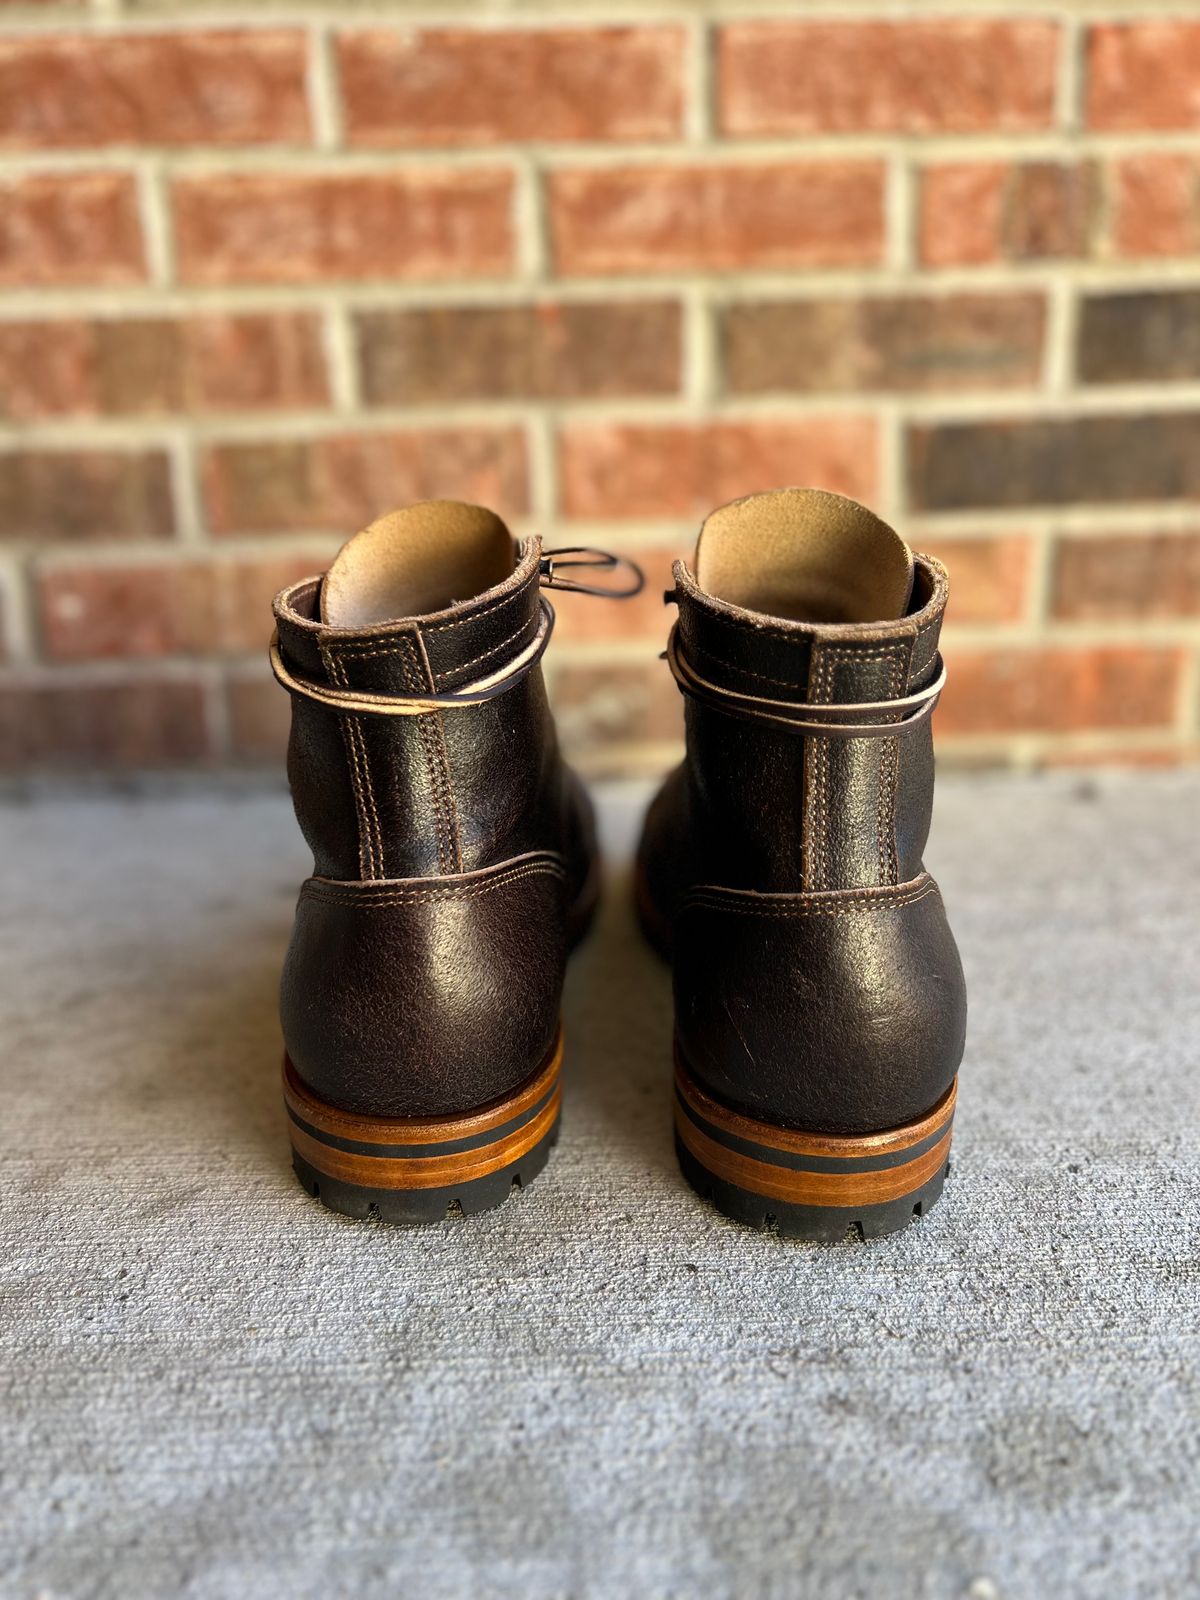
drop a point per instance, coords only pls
(820, 1009)
(454, 866)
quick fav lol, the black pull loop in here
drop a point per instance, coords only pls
(581, 555)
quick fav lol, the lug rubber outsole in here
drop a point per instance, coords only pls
(424, 1169)
(821, 1187)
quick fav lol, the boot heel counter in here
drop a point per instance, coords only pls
(839, 1012)
(425, 996)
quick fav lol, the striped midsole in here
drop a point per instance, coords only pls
(811, 1169)
(422, 1152)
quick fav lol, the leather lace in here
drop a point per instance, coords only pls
(828, 720)
(370, 703)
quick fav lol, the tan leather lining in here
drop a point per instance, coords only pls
(805, 555)
(421, 559)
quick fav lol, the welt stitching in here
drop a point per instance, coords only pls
(822, 690)
(889, 869)
(748, 672)
(484, 611)
(539, 861)
(438, 731)
(366, 862)
(872, 891)
(413, 678)
(796, 636)
(495, 650)
(849, 654)
(432, 895)
(358, 738)
(843, 910)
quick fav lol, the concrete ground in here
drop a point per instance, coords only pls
(212, 1387)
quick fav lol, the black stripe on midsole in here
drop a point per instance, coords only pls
(447, 1147)
(798, 1163)
(441, 1195)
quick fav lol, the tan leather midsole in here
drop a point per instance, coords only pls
(390, 1168)
(867, 1184)
(426, 1172)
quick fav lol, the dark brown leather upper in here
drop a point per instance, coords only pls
(817, 983)
(426, 964)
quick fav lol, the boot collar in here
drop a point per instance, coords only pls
(813, 662)
(434, 653)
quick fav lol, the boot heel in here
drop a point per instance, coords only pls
(423, 1169)
(821, 1187)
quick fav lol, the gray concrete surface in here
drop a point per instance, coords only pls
(212, 1387)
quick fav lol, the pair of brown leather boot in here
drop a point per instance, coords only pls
(819, 1000)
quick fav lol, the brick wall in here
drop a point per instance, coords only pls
(265, 272)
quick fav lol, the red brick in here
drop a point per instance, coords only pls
(1156, 205)
(47, 495)
(128, 367)
(345, 481)
(1099, 459)
(582, 621)
(908, 343)
(973, 212)
(1136, 577)
(176, 88)
(609, 703)
(93, 726)
(146, 609)
(551, 352)
(717, 218)
(1139, 336)
(1060, 690)
(298, 228)
(989, 577)
(70, 228)
(259, 719)
(1144, 74)
(683, 470)
(943, 75)
(468, 86)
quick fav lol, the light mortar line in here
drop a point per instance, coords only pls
(541, 436)
(310, 159)
(1069, 87)
(1039, 593)
(529, 224)
(900, 214)
(521, 15)
(699, 82)
(225, 550)
(321, 80)
(1071, 637)
(967, 638)
(892, 490)
(814, 284)
(1128, 517)
(155, 217)
(1060, 335)
(18, 610)
(1004, 406)
(185, 489)
(341, 356)
(100, 674)
(701, 356)
(1188, 709)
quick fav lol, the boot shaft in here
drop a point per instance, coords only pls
(380, 797)
(774, 810)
